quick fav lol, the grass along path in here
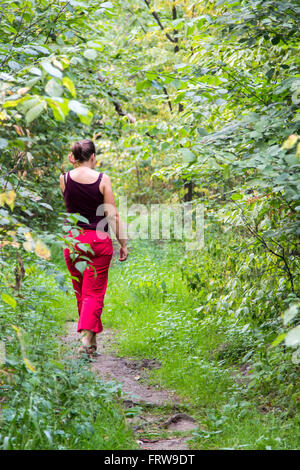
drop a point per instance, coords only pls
(149, 305)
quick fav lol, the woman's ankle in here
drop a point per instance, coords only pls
(87, 338)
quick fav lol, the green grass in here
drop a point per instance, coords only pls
(157, 316)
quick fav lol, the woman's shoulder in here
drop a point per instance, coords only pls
(105, 183)
(105, 180)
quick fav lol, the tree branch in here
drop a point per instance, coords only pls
(282, 256)
(117, 104)
(174, 16)
(157, 19)
(169, 102)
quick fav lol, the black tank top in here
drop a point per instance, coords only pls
(85, 198)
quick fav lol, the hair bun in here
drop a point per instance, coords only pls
(83, 150)
(77, 150)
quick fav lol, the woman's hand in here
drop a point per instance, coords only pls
(123, 253)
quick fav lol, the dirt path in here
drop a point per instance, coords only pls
(160, 423)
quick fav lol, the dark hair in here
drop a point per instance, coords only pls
(83, 150)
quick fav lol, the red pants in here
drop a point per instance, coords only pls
(90, 290)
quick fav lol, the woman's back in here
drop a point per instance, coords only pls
(82, 195)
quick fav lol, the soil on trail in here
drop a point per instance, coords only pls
(132, 375)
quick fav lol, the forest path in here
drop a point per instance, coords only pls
(157, 419)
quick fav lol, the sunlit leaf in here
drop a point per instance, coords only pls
(33, 113)
(90, 54)
(290, 142)
(78, 108)
(10, 198)
(28, 246)
(279, 339)
(29, 365)
(290, 314)
(42, 250)
(187, 155)
(9, 300)
(53, 88)
(293, 337)
(3, 143)
(55, 72)
(69, 85)
(2, 198)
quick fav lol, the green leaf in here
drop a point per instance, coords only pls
(28, 103)
(86, 119)
(35, 71)
(78, 108)
(13, 65)
(48, 436)
(81, 266)
(53, 88)
(236, 197)
(142, 85)
(32, 82)
(201, 131)
(290, 313)
(51, 70)
(151, 75)
(67, 82)
(188, 156)
(108, 5)
(90, 54)
(3, 143)
(226, 172)
(293, 337)
(279, 339)
(9, 300)
(84, 247)
(11, 103)
(33, 113)
(77, 217)
(57, 111)
(95, 45)
(163, 286)
(42, 49)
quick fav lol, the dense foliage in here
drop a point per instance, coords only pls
(185, 101)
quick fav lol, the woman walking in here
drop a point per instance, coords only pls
(84, 191)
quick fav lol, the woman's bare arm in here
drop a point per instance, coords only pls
(62, 183)
(113, 216)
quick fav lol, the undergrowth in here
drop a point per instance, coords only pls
(49, 400)
(243, 390)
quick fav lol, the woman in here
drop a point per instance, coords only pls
(85, 190)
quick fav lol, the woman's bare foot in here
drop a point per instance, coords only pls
(89, 350)
(87, 338)
(89, 342)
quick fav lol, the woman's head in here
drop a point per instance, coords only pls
(83, 150)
